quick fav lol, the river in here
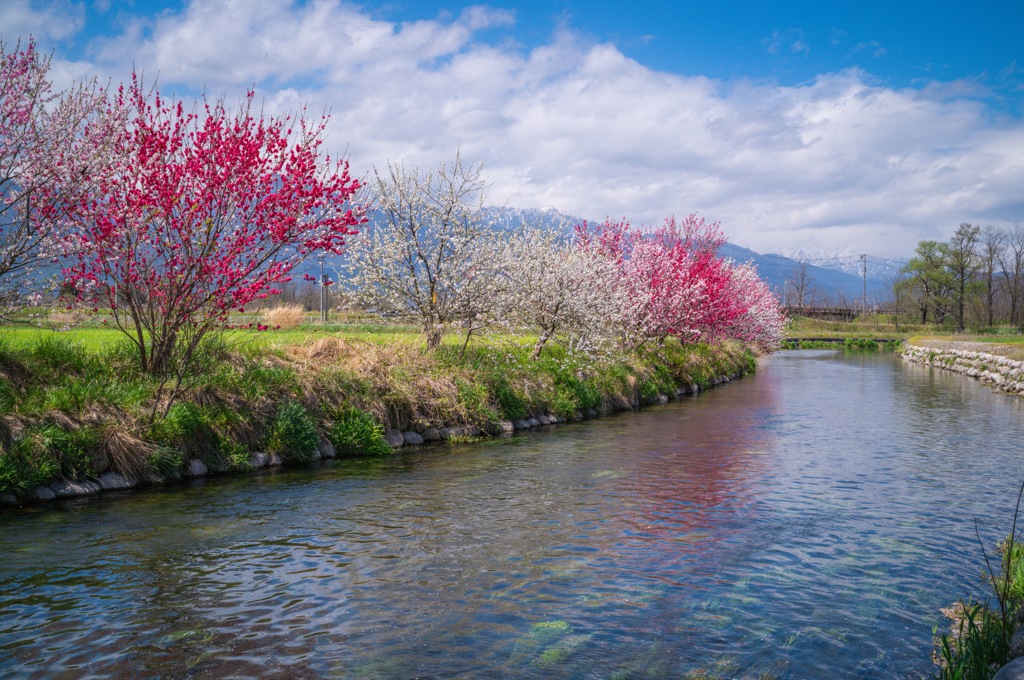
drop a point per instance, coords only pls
(805, 522)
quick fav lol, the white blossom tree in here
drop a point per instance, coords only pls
(429, 249)
(39, 172)
(558, 289)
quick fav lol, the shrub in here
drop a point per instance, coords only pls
(473, 399)
(8, 396)
(979, 642)
(72, 449)
(293, 435)
(166, 462)
(56, 355)
(356, 433)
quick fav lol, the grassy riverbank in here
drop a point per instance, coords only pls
(74, 405)
(871, 331)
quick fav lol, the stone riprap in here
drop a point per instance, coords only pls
(1000, 372)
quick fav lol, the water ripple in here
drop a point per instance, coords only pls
(805, 522)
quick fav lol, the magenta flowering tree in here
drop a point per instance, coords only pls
(204, 212)
(38, 130)
(671, 280)
(761, 321)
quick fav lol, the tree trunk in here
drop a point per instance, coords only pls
(434, 335)
(538, 346)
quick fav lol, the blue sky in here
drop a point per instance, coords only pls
(900, 43)
(826, 126)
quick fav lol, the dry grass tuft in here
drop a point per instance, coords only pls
(65, 318)
(126, 453)
(396, 383)
(285, 316)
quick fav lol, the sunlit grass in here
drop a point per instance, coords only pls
(261, 391)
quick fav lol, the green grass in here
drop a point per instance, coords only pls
(978, 644)
(74, 404)
(354, 433)
(293, 435)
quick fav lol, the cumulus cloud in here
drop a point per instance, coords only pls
(57, 20)
(576, 125)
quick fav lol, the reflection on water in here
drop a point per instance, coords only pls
(806, 522)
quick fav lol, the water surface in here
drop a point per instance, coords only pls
(808, 521)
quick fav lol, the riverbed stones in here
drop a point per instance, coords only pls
(196, 468)
(431, 434)
(1011, 671)
(502, 427)
(42, 493)
(326, 448)
(12, 428)
(448, 433)
(66, 489)
(543, 420)
(258, 459)
(394, 438)
(411, 438)
(1017, 644)
(8, 499)
(521, 425)
(115, 481)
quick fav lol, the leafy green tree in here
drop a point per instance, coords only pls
(927, 281)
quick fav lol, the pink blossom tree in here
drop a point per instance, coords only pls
(761, 321)
(204, 212)
(672, 280)
(38, 130)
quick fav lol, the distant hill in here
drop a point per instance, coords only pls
(832, 285)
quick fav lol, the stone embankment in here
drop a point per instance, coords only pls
(1000, 372)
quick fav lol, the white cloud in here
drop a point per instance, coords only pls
(57, 20)
(791, 41)
(836, 162)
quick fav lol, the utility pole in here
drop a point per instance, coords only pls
(323, 292)
(864, 262)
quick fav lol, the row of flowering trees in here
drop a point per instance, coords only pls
(434, 253)
(167, 217)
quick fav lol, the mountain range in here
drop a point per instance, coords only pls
(828, 280)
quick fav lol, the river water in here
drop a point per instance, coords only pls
(805, 522)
